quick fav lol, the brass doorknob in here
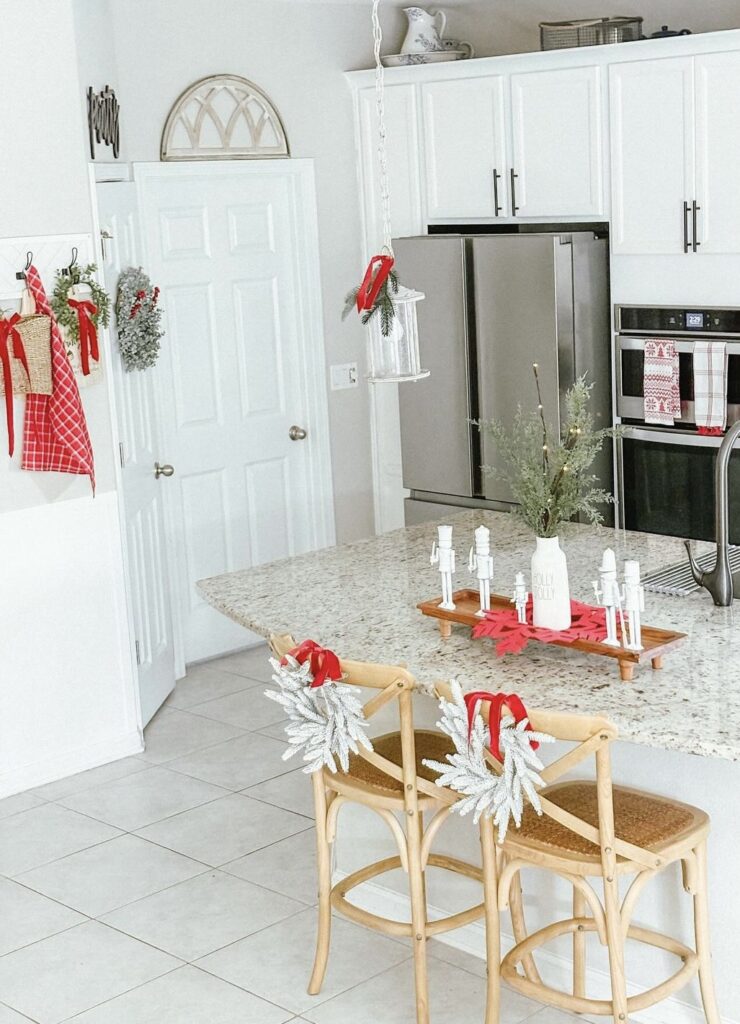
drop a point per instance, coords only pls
(165, 470)
(296, 433)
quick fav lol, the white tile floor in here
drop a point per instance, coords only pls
(177, 887)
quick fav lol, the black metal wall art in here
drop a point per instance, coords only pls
(102, 119)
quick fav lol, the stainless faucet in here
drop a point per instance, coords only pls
(719, 581)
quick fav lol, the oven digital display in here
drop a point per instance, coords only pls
(694, 321)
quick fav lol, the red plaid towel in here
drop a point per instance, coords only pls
(710, 385)
(662, 396)
(55, 437)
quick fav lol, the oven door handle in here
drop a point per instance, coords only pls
(675, 438)
(636, 344)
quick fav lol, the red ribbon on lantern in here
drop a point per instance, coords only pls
(88, 335)
(9, 333)
(375, 277)
(497, 701)
(324, 663)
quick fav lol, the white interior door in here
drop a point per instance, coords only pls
(234, 247)
(556, 142)
(137, 408)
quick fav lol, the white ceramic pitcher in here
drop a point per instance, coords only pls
(425, 30)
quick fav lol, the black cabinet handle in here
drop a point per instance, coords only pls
(496, 207)
(694, 210)
(685, 226)
(514, 207)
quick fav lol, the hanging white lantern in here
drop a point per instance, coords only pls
(388, 309)
(395, 356)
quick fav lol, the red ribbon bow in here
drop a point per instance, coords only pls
(9, 332)
(375, 277)
(324, 663)
(88, 335)
(497, 701)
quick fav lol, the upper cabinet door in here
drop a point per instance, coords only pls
(652, 146)
(718, 152)
(557, 143)
(404, 168)
(464, 137)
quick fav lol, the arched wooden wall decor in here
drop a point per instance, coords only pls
(223, 117)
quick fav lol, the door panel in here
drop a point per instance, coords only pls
(464, 140)
(435, 432)
(557, 145)
(137, 403)
(652, 135)
(229, 247)
(517, 325)
(718, 152)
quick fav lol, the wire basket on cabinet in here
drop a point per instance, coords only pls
(560, 35)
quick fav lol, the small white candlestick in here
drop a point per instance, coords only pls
(480, 563)
(607, 594)
(443, 556)
(634, 604)
(520, 598)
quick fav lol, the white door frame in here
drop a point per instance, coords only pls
(313, 362)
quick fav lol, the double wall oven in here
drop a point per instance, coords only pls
(666, 473)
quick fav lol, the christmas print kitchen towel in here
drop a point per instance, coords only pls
(662, 397)
(710, 385)
(55, 437)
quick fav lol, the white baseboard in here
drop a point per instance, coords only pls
(50, 769)
(556, 971)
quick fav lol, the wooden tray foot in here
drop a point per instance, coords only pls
(657, 663)
(626, 671)
(445, 628)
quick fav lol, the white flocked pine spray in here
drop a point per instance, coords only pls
(467, 772)
(325, 723)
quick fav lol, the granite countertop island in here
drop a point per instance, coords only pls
(360, 599)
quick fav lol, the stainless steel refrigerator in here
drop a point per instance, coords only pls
(494, 305)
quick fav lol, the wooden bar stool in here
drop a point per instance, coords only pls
(392, 781)
(598, 830)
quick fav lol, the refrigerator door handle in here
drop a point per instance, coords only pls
(512, 177)
(496, 206)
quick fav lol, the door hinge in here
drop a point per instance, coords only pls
(137, 646)
(121, 454)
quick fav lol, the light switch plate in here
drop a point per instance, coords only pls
(343, 375)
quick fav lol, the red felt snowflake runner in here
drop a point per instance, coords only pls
(512, 636)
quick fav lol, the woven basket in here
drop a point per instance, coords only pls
(35, 332)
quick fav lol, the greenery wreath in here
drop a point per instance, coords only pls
(138, 319)
(65, 315)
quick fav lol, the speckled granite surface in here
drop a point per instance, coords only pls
(360, 599)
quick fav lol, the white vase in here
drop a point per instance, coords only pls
(550, 590)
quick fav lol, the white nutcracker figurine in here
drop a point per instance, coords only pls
(634, 604)
(480, 564)
(608, 595)
(443, 555)
(520, 598)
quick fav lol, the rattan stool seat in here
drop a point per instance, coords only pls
(644, 819)
(428, 745)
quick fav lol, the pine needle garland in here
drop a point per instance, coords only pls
(468, 773)
(325, 724)
(382, 307)
(548, 470)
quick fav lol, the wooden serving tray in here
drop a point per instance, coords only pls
(656, 642)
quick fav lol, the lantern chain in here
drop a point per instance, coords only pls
(385, 191)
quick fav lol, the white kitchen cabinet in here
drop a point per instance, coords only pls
(717, 78)
(557, 150)
(652, 144)
(404, 165)
(465, 148)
